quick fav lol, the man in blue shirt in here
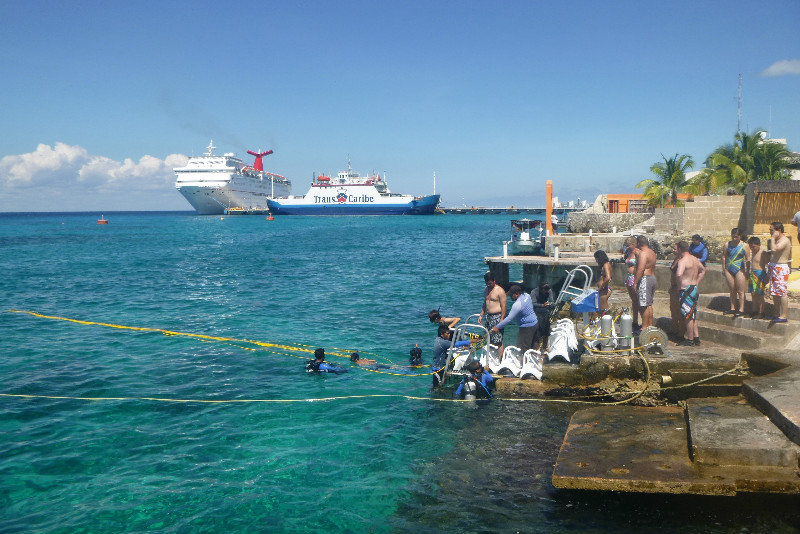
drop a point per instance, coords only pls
(522, 311)
(698, 249)
(318, 365)
(476, 384)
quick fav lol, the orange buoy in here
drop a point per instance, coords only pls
(270, 217)
(102, 220)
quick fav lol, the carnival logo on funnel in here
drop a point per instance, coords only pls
(341, 197)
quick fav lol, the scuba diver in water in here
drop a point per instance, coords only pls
(476, 384)
(318, 364)
(415, 356)
(358, 360)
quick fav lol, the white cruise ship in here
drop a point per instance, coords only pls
(213, 184)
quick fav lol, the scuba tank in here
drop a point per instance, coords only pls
(312, 366)
(626, 329)
(606, 323)
(470, 389)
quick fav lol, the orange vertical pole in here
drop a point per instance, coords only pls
(549, 207)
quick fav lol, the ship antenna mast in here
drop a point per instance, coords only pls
(739, 106)
(210, 148)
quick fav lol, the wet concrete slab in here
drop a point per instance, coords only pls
(777, 395)
(728, 431)
(645, 449)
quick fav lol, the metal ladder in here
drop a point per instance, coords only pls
(569, 290)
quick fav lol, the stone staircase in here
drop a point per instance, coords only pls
(740, 332)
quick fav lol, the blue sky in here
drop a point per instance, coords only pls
(100, 99)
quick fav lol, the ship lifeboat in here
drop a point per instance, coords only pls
(322, 178)
(102, 220)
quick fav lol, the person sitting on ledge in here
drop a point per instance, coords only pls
(318, 365)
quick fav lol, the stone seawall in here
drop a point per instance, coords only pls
(582, 221)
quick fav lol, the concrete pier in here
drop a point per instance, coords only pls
(638, 449)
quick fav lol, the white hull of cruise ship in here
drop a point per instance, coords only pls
(213, 184)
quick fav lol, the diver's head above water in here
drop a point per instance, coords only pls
(319, 354)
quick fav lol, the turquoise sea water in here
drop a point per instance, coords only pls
(359, 464)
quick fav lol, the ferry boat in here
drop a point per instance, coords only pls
(351, 194)
(213, 184)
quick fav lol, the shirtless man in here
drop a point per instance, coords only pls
(645, 280)
(780, 254)
(494, 306)
(690, 272)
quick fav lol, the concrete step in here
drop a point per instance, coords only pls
(710, 316)
(740, 338)
(777, 395)
(729, 335)
(722, 302)
(728, 431)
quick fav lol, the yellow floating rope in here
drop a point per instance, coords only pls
(306, 349)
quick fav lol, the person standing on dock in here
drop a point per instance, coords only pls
(631, 256)
(698, 249)
(758, 277)
(645, 280)
(780, 255)
(690, 272)
(554, 222)
(734, 263)
(543, 298)
(522, 311)
(493, 310)
(604, 282)
(796, 222)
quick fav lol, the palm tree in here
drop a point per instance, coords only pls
(772, 161)
(671, 178)
(701, 183)
(749, 158)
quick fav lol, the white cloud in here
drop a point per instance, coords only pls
(71, 172)
(783, 67)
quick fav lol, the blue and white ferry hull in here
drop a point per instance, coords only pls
(323, 205)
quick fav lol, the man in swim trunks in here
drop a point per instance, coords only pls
(758, 277)
(645, 280)
(780, 255)
(690, 271)
(494, 309)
